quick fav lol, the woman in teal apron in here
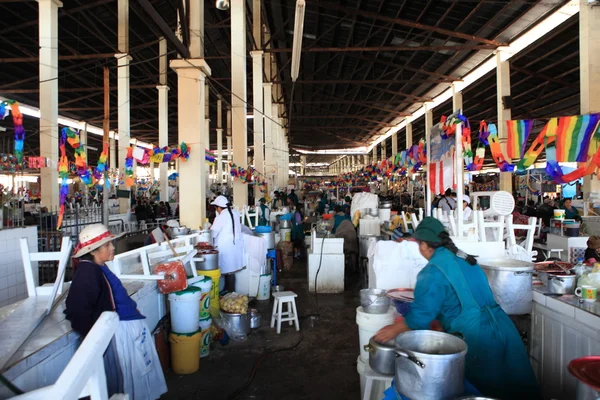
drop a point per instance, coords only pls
(263, 213)
(454, 290)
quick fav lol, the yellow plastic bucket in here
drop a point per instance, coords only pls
(215, 275)
(185, 348)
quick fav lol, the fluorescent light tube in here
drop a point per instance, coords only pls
(297, 42)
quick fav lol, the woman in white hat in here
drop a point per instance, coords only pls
(467, 210)
(131, 363)
(227, 235)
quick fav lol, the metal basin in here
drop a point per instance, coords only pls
(374, 301)
(431, 365)
(238, 322)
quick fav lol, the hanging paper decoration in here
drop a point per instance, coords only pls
(102, 161)
(555, 171)
(209, 157)
(484, 133)
(63, 173)
(18, 125)
(129, 177)
(496, 149)
(248, 175)
(518, 133)
(573, 136)
(165, 154)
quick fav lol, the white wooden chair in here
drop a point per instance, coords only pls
(470, 228)
(404, 221)
(132, 258)
(84, 375)
(61, 256)
(497, 227)
(530, 228)
(247, 216)
(414, 221)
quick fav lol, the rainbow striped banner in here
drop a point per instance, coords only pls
(573, 137)
(518, 133)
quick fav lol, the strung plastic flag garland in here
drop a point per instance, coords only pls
(496, 149)
(555, 172)
(573, 136)
(18, 125)
(543, 140)
(129, 176)
(484, 133)
(165, 154)
(247, 175)
(63, 173)
(518, 133)
(209, 157)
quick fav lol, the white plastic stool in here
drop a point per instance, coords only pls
(372, 376)
(279, 315)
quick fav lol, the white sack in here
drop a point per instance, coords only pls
(394, 265)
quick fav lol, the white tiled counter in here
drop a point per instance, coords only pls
(12, 277)
(562, 329)
(44, 355)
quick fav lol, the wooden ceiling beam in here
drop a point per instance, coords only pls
(385, 48)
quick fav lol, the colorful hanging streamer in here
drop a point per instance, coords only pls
(63, 173)
(129, 175)
(518, 133)
(247, 175)
(165, 154)
(573, 136)
(18, 125)
(496, 150)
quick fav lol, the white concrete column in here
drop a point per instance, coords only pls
(374, 161)
(409, 135)
(123, 94)
(383, 150)
(459, 161)
(207, 130)
(504, 114)
(48, 70)
(219, 140)
(394, 144)
(303, 165)
(191, 75)
(258, 122)
(428, 126)
(589, 72)
(163, 116)
(269, 159)
(238, 96)
(275, 143)
(365, 159)
(229, 147)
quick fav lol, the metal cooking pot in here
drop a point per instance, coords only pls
(238, 322)
(511, 283)
(385, 204)
(175, 232)
(210, 263)
(285, 224)
(374, 301)
(431, 365)
(373, 212)
(382, 356)
(255, 319)
(364, 241)
(269, 238)
(562, 283)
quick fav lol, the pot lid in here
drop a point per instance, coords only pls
(587, 370)
(505, 264)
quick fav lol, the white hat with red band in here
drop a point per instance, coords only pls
(93, 237)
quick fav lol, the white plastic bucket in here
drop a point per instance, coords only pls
(205, 285)
(369, 325)
(205, 336)
(185, 309)
(377, 388)
(264, 287)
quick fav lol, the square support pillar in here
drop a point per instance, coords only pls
(269, 156)
(409, 134)
(394, 144)
(504, 113)
(191, 76)
(48, 84)
(257, 102)
(163, 138)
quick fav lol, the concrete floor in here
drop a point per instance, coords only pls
(323, 365)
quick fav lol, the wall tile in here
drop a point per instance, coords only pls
(3, 295)
(12, 292)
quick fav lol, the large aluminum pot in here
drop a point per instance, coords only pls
(562, 283)
(385, 204)
(176, 232)
(238, 322)
(364, 241)
(269, 238)
(203, 236)
(285, 224)
(511, 283)
(374, 301)
(211, 261)
(382, 356)
(431, 365)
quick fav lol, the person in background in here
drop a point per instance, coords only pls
(227, 235)
(131, 363)
(162, 210)
(263, 212)
(570, 211)
(453, 289)
(140, 211)
(297, 231)
(530, 210)
(592, 253)
(150, 239)
(454, 198)
(322, 204)
(277, 202)
(339, 216)
(347, 205)
(293, 197)
(446, 203)
(467, 210)
(168, 207)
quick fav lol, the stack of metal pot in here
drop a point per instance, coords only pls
(210, 255)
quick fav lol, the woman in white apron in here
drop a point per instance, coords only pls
(227, 236)
(135, 368)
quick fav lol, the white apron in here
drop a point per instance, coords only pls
(231, 251)
(143, 378)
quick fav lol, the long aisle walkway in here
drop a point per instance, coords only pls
(322, 366)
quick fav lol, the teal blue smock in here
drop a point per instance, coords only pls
(262, 220)
(458, 295)
(572, 213)
(337, 220)
(321, 206)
